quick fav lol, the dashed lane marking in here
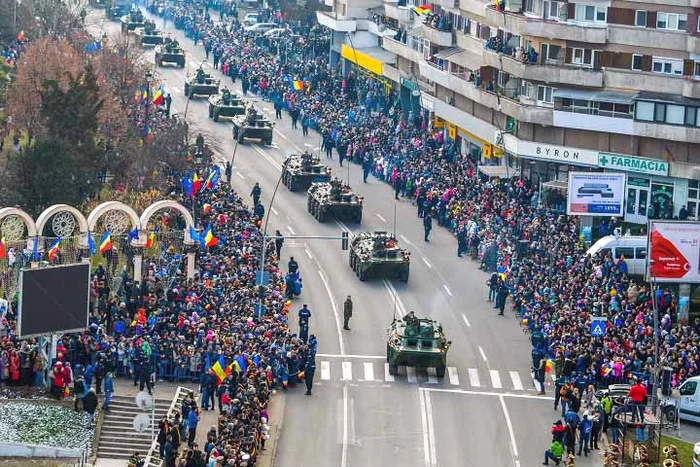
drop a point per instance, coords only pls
(380, 217)
(452, 374)
(411, 374)
(474, 378)
(515, 378)
(347, 371)
(466, 321)
(369, 371)
(325, 370)
(432, 375)
(495, 379)
(387, 377)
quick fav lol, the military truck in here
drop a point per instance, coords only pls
(149, 35)
(333, 199)
(378, 253)
(201, 84)
(252, 124)
(170, 52)
(416, 342)
(132, 20)
(225, 105)
(301, 170)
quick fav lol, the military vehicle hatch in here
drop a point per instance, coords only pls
(225, 105)
(301, 170)
(416, 342)
(378, 253)
(254, 125)
(333, 199)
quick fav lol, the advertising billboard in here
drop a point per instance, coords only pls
(674, 248)
(596, 194)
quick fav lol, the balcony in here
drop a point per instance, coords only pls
(435, 36)
(339, 24)
(643, 81)
(469, 43)
(402, 14)
(642, 37)
(522, 25)
(401, 49)
(598, 123)
(667, 132)
(548, 72)
(692, 44)
(474, 7)
(691, 88)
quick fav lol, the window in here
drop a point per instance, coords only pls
(696, 66)
(529, 6)
(591, 13)
(690, 115)
(577, 56)
(693, 197)
(544, 94)
(628, 252)
(660, 112)
(637, 62)
(672, 21)
(688, 389)
(551, 52)
(551, 10)
(640, 253)
(525, 89)
(641, 19)
(668, 66)
(644, 111)
(675, 114)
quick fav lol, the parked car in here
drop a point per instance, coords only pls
(275, 33)
(250, 19)
(259, 28)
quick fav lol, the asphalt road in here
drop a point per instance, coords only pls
(485, 410)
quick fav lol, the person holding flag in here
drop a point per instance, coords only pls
(53, 250)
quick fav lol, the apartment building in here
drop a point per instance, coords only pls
(544, 87)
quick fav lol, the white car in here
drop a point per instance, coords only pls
(275, 33)
(259, 28)
(250, 19)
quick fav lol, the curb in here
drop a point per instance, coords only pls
(276, 412)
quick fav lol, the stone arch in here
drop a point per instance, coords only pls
(55, 209)
(107, 206)
(167, 204)
(28, 221)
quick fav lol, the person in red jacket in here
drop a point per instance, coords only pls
(638, 395)
(59, 381)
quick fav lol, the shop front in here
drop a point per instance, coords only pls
(650, 192)
(369, 63)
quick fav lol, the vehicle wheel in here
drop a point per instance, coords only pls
(670, 413)
(268, 142)
(308, 201)
(321, 215)
(216, 116)
(292, 185)
(182, 64)
(361, 273)
(211, 111)
(191, 94)
(358, 218)
(404, 276)
(440, 371)
(393, 369)
(235, 133)
(352, 261)
(187, 89)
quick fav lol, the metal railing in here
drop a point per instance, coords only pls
(151, 458)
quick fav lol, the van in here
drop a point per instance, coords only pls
(633, 248)
(250, 19)
(259, 28)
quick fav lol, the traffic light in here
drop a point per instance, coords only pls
(344, 240)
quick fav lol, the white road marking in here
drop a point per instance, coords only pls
(329, 355)
(387, 377)
(511, 432)
(380, 217)
(496, 379)
(267, 157)
(400, 308)
(515, 378)
(347, 371)
(291, 230)
(307, 145)
(369, 371)
(240, 175)
(341, 344)
(274, 211)
(344, 455)
(474, 378)
(432, 375)
(308, 253)
(466, 321)
(483, 355)
(411, 374)
(342, 225)
(325, 370)
(405, 239)
(431, 429)
(454, 377)
(447, 289)
(490, 393)
(427, 263)
(424, 423)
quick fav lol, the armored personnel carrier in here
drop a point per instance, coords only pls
(149, 35)
(201, 84)
(378, 253)
(301, 170)
(115, 9)
(170, 52)
(252, 124)
(225, 105)
(416, 342)
(132, 20)
(333, 199)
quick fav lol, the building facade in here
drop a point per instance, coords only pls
(545, 87)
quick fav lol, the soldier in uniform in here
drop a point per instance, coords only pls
(200, 76)
(411, 319)
(347, 313)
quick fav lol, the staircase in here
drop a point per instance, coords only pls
(118, 439)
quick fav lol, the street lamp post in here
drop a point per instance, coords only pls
(146, 129)
(655, 372)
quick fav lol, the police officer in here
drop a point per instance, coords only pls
(304, 315)
(256, 193)
(347, 312)
(293, 265)
(279, 241)
(309, 371)
(427, 225)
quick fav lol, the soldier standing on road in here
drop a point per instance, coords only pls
(256, 194)
(347, 313)
(304, 315)
(309, 371)
(293, 266)
(279, 241)
(168, 101)
(427, 225)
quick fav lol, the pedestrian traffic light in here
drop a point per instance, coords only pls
(344, 240)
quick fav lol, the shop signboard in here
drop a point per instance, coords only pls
(596, 194)
(633, 164)
(674, 249)
(452, 131)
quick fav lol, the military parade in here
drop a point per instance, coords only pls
(210, 340)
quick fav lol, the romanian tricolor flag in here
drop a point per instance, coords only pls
(196, 183)
(151, 239)
(421, 10)
(206, 208)
(53, 249)
(106, 242)
(548, 366)
(20, 36)
(220, 370)
(3, 248)
(209, 239)
(159, 96)
(605, 371)
(301, 375)
(212, 178)
(298, 85)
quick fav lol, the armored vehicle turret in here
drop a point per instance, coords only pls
(416, 342)
(132, 20)
(201, 83)
(301, 170)
(252, 124)
(149, 35)
(378, 253)
(225, 105)
(170, 52)
(333, 199)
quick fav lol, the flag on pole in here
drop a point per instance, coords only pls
(158, 97)
(35, 249)
(106, 242)
(196, 183)
(196, 237)
(53, 249)
(91, 244)
(212, 178)
(220, 370)
(151, 239)
(209, 239)
(133, 234)
(3, 248)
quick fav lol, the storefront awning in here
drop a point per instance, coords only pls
(556, 185)
(372, 58)
(500, 171)
(602, 96)
(466, 59)
(447, 53)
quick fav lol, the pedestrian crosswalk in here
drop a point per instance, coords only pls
(377, 371)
